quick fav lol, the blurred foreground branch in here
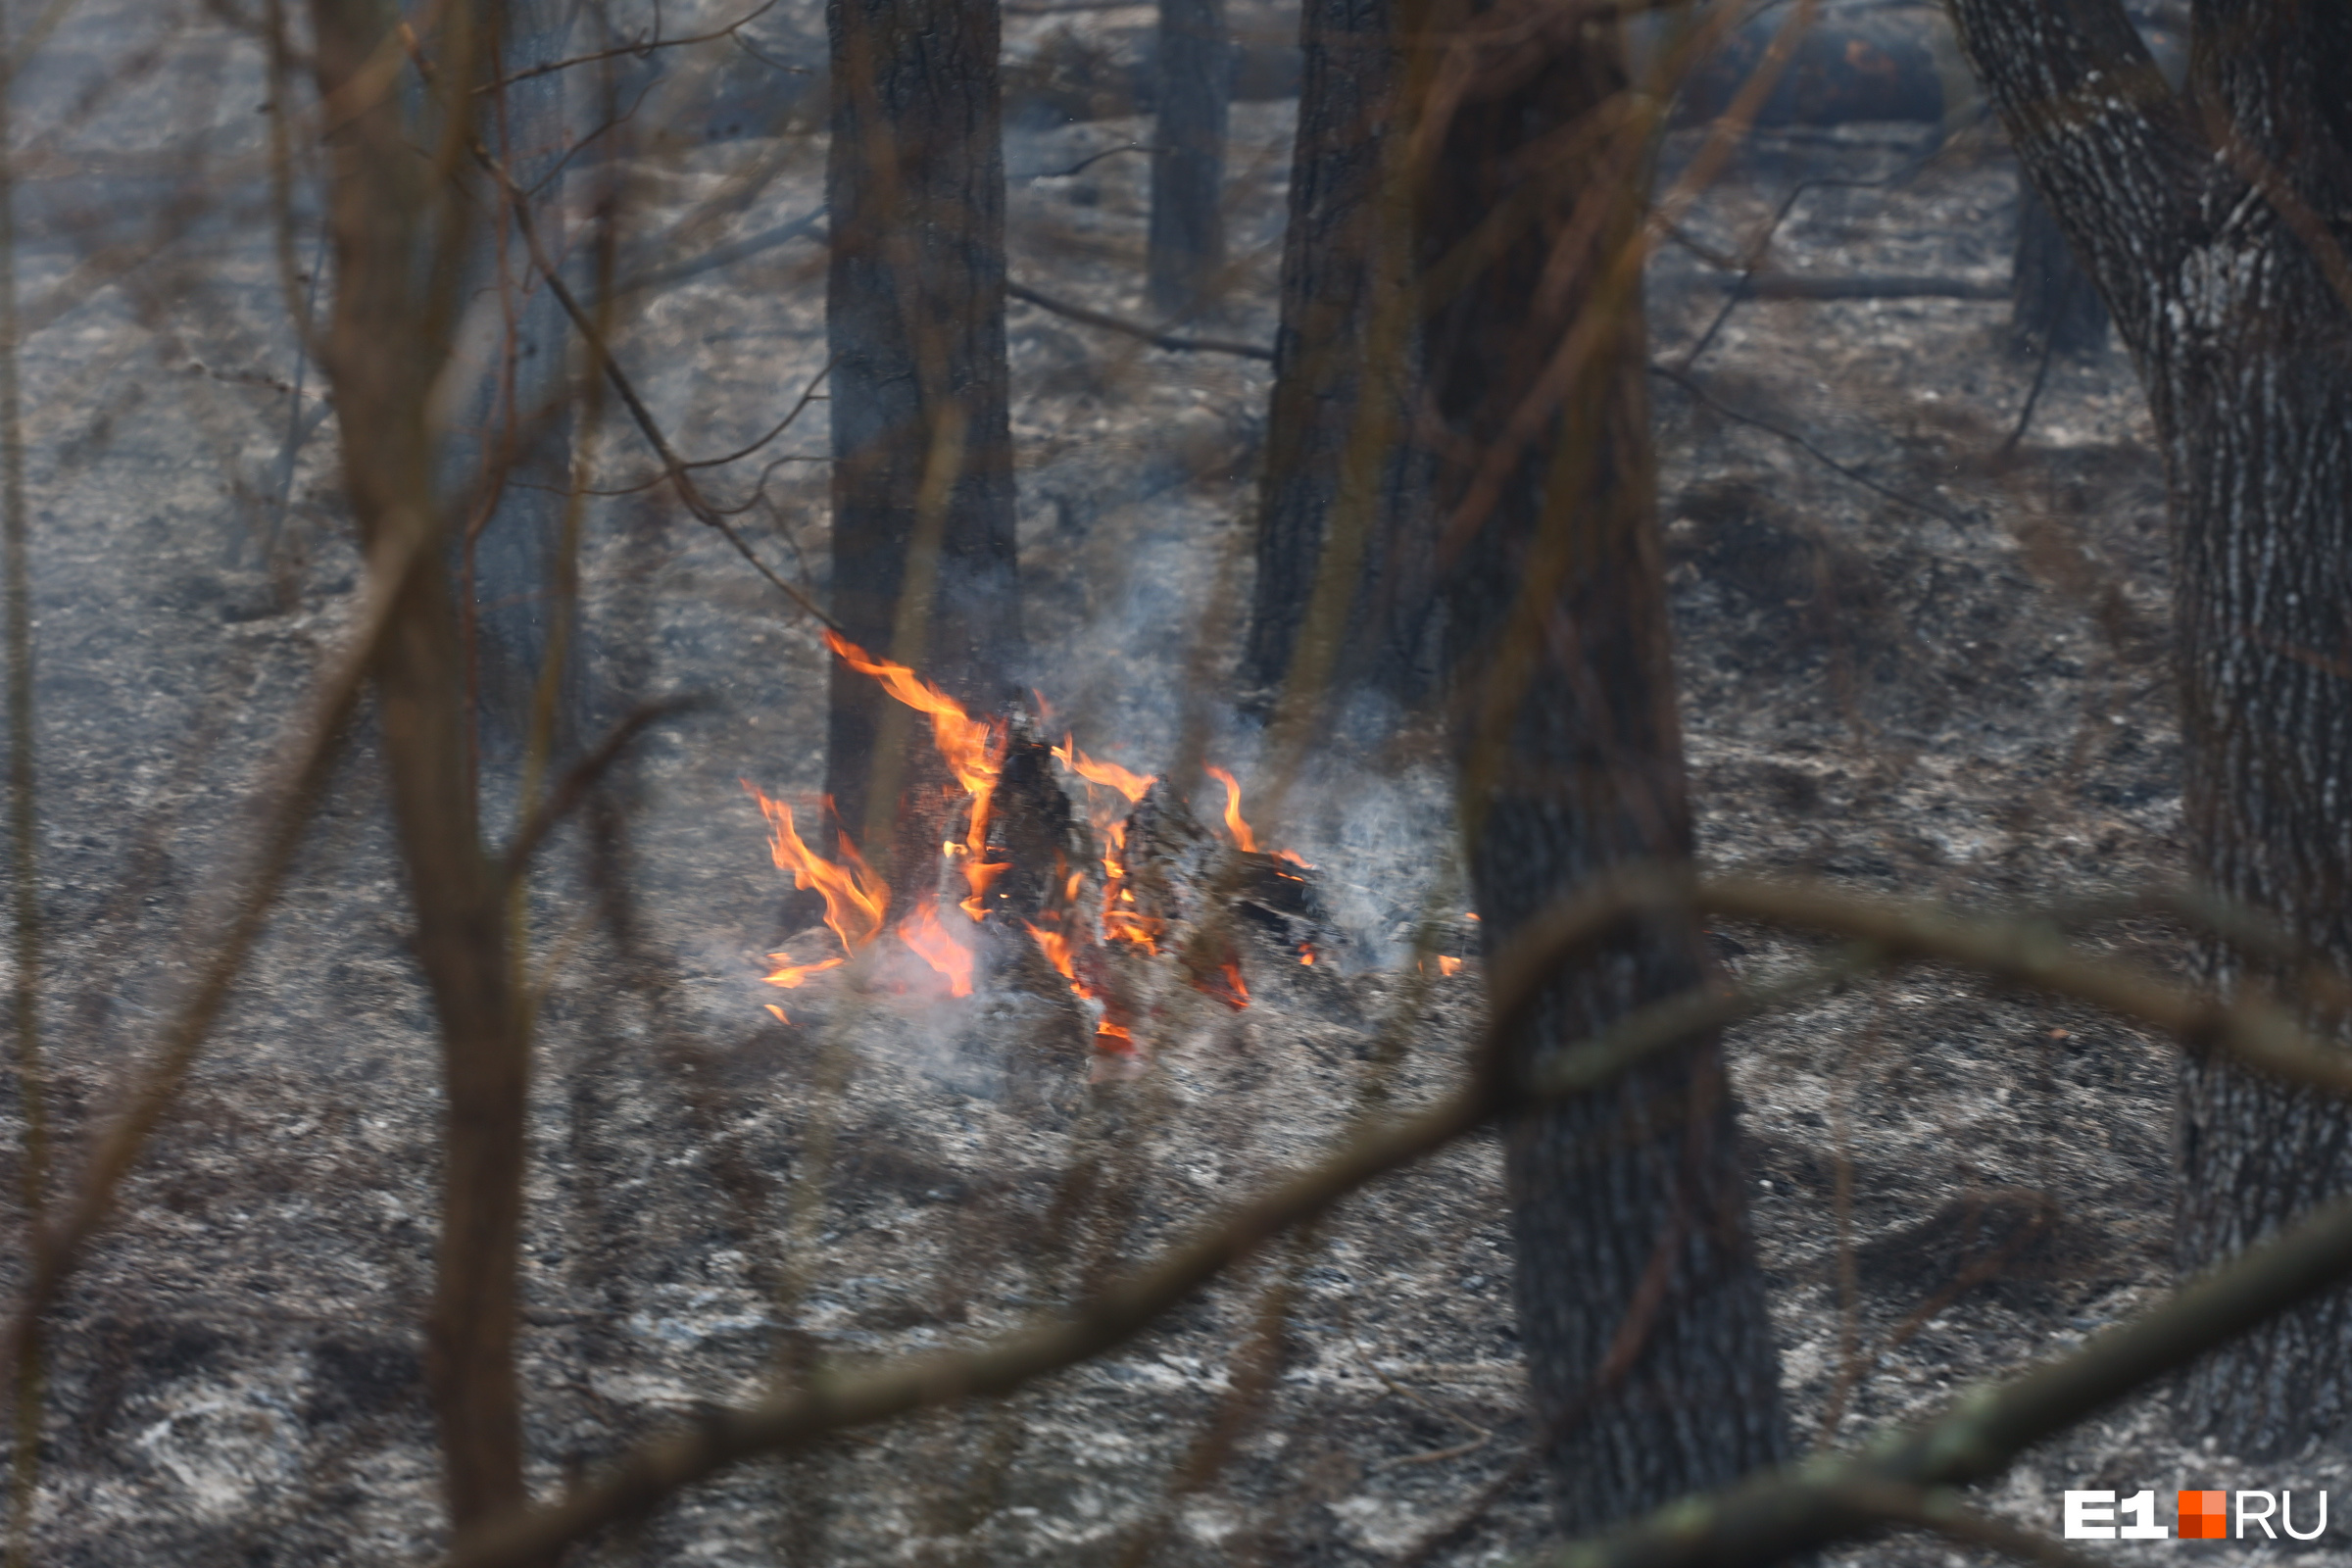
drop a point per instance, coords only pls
(1784, 1511)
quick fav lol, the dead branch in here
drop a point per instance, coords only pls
(1790, 1510)
(1861, 287)
(2031, 953)
(573, 786)
(680, 477)
(1697, 389)
(1998, 1422)
(1172, 342)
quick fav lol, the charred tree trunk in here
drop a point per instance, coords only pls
(923, 551)
(1337, 513)
(2215, 224)
(1640, 1305)
(1187, 248)
(2054, 308)
(511, 463)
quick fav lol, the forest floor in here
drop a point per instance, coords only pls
(1909, 662)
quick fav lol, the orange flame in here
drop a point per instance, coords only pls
(1293, 857)
(1056, 947)
(856, 899)
(1448, 965)
(1111, 775)
(1142, 930)
(778, 1011)
(791, 975)
(1113, 1039)
(973, 748)
(1226, 985)
(1307, 953)
(1232, 811)
(924, 932)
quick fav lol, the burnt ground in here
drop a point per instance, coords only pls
(1939, 672)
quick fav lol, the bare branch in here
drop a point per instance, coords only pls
(1781, 1512)
(1172, 342)
(573, 786)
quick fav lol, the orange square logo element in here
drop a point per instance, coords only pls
(2204, 1515)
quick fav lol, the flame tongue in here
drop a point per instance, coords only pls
(856, 899)
(1111, 775)
(1242, 836)
(929, 938)
(973, 748)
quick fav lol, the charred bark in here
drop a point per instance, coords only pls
(1187, 246)
(2053, 306)
(2215, 224)
(1640, 1305)
(923, 549)
(512, 461)
(1336, 495)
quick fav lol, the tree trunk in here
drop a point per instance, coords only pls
(383, 356)
(513, 463)
(2053, 306)
(1640, 1305)
(923, 549)
(2213, 223)
(1186, 249)
(1338, 495)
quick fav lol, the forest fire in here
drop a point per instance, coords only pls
(1074, 939)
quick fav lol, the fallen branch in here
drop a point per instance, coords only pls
(1699, 391)
(1171, 341)
(1860, 286)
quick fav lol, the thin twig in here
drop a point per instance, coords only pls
(1697, 389)
(573, 786)
(1995, 1423)
(1174, 343)
(680, 478)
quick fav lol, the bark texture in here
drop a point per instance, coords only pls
(398, 245)
(512, 461)
(2215, 222)
(1187, 246)
(924, 567)
(1339, 499)
(1642, 1309)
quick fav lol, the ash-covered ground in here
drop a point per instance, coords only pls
(1910, 661)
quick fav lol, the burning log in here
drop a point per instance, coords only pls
(1022, 897)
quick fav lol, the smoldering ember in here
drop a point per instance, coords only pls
(1232, 781)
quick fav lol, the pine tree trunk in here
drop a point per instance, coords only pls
(521, 442)
(1642, 1309)
(2203, 245)
(1187, 248)
(2053, 305)
(923, 549)
(1339, 492)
